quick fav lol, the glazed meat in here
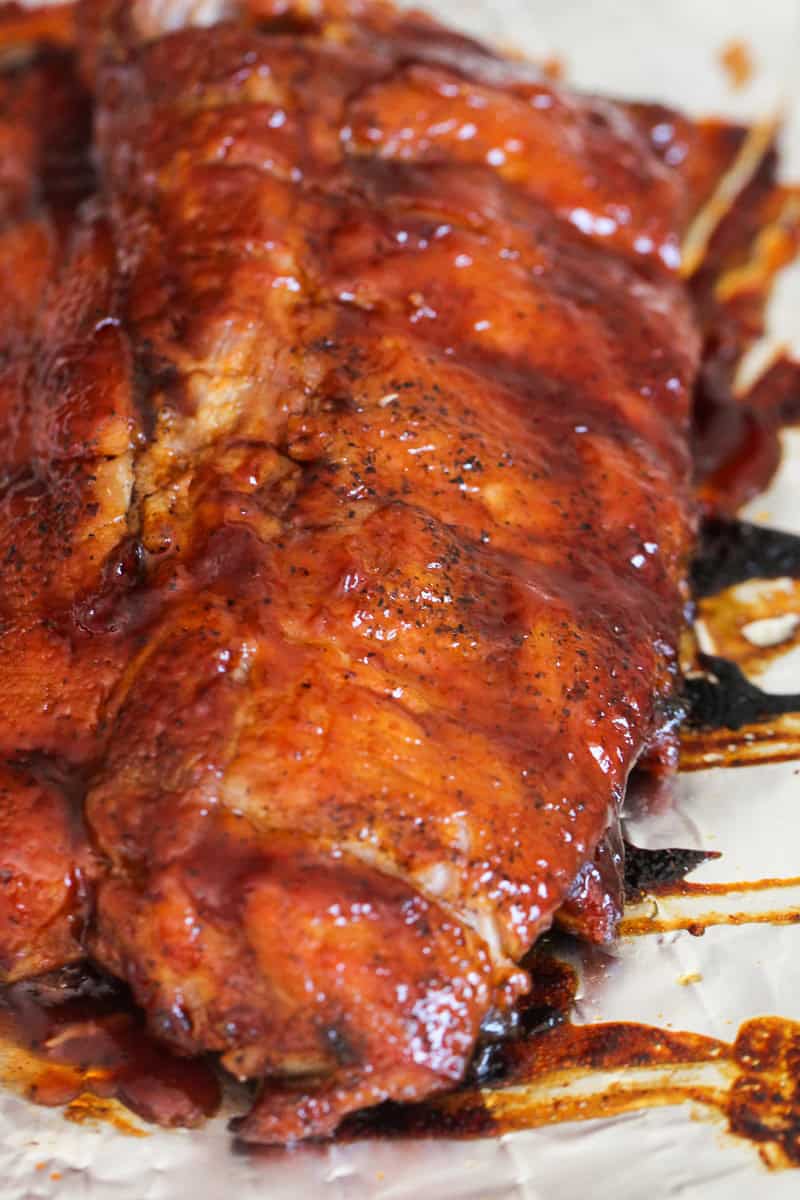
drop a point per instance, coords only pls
(47, 681)
(356, 422)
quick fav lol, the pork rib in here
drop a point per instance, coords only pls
(396, 336)
(56, 499)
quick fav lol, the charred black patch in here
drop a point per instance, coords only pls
(648, 871)
(732, 552)
(722, 698)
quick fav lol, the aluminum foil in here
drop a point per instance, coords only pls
(709, 985)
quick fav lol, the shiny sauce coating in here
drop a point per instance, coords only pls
(352, 521)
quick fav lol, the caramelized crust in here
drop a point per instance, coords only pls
(47, 683)
(358, 419)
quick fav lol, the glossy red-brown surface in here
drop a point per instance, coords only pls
(45, 703)
(350, 470)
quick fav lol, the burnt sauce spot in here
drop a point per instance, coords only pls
(764, 1102)
(722, 698)
(547, 1004)
(731, 721)
(649, 871)
(732, 551)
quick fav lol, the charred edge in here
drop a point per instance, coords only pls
(548, 1004)
(648, 871)
(724, 699)
(49, 1003)
(732, 551)
(464, 1117)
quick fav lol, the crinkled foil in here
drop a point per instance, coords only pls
(711, 984)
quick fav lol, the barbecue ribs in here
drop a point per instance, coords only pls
(345, 522)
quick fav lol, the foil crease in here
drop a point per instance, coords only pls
(669, 52)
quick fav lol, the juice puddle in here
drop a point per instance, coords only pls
(75, 1039)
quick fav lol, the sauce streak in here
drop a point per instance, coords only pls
(650, 917)
(576, 1072)
(685, 887)
(774, 742)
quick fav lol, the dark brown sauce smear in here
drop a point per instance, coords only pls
(81, 1041)
(754, 1082)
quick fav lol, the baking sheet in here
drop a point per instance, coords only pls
(663, 51)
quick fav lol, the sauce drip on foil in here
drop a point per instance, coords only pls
(741, 572)
(78, 1041)
(526, 1080)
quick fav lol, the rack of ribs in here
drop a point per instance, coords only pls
(345, 525)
